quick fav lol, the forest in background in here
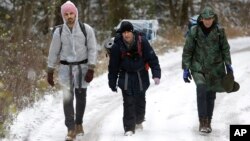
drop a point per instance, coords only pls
(25, 37)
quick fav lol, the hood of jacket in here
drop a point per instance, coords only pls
(69, 6)
(207, 12)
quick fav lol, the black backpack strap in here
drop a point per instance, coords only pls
(220, 32)
(55, 27)
(60, 29)
(139, 46)
(82, 26)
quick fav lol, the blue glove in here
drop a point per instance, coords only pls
(229, 68)
(186, 76)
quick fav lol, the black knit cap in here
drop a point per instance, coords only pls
(126, 26)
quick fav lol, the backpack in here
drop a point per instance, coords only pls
(146, 28)
(191, 22)
(109, 42)
(82, 26)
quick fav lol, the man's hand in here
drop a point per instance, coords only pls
(157, 80)
(89, 75)
(114, 89)
(187, 76)
(50, 78)
(229, 68)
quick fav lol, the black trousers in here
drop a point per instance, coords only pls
(71, 117)
(205, 101)
(133, 110)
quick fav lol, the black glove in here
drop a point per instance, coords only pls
(50, 78)
(186, 76)
(114, 89)
(112, 85)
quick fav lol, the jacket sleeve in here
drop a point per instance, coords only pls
(54, 50)
(225, 48)
(91, 45)
(188, 49)
(151, 58)
(114, 65)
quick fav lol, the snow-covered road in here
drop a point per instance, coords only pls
(171, 112)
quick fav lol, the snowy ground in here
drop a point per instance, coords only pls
(171, 112)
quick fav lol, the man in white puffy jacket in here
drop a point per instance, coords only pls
(77, 63)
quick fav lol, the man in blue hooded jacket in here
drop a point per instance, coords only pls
(127, 65)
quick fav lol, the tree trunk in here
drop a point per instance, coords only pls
(172, 11)
(191, 6)
(183, 13)
(117, 11)
(24, 20)
(203, 4)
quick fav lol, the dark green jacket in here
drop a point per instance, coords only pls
(207, 55)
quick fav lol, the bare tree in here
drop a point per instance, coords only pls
(179, 11)
(117, 11)
(23, 17)
(191, 6)
(183, 13)
(203, 4)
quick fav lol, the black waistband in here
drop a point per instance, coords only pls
(74, 63)
(133, 71)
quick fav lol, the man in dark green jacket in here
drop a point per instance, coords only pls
(205, 54)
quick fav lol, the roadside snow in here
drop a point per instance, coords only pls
(171, 108)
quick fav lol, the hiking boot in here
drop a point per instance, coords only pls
(209, 128)
(128, 133)
(203, 128)
(79, 129)
(71, 135)
(139, 126)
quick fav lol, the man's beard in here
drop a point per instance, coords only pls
(70, 21)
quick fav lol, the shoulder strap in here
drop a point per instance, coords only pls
(54, 29)
(196, 32)
(139, 46)
(139, 50)
(220, 30)
(60, 29)
(82, 26)
(195, 35)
